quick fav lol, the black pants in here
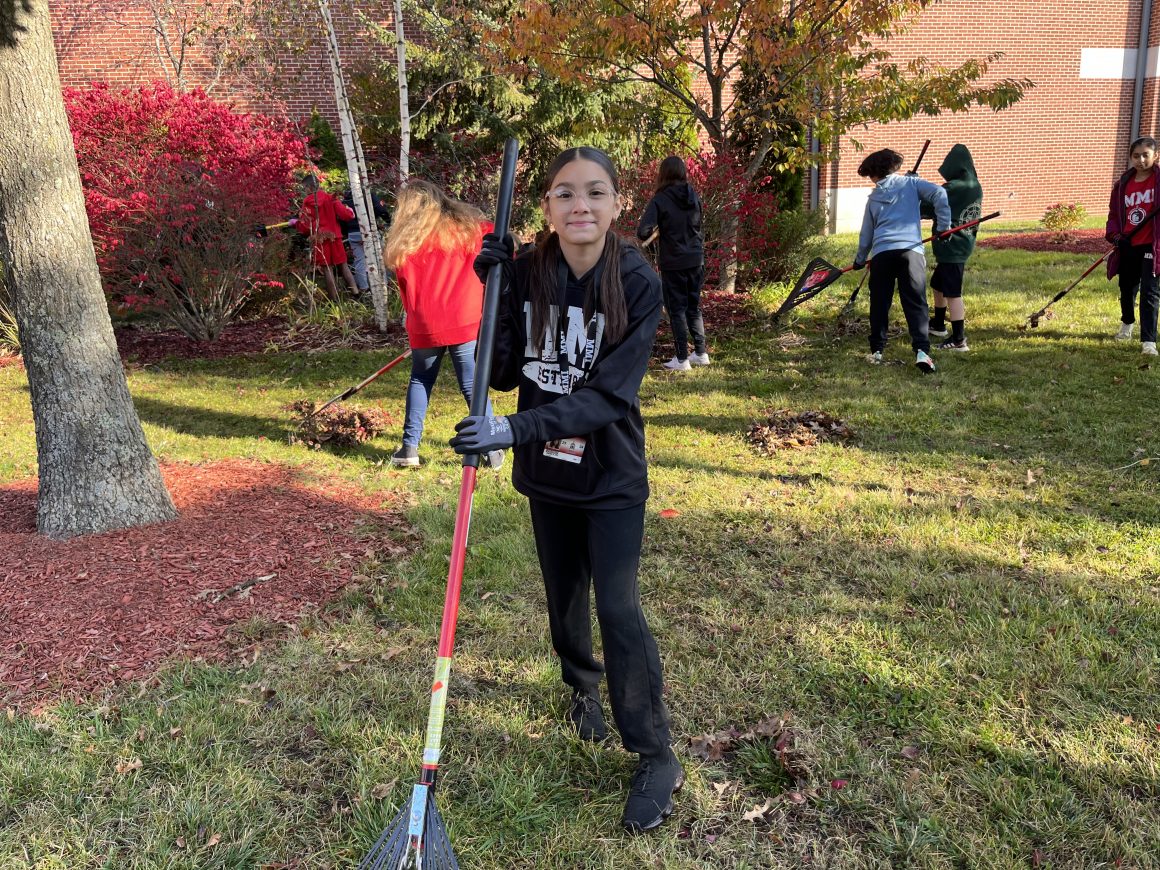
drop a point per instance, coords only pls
(682, 290)
(1137, 275)
(906, 270)
(578, 548)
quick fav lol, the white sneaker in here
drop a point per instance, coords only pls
(875, 358)
(699, 359)
(924, 362)
(1148, 348)
(678, 365)
(1125, 333)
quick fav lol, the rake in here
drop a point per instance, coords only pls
(1033, 319)
(821, 273)
(417, 839)
(346, 394)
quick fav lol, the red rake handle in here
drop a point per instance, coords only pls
(346, 394)
(1034, 318)
(965, 226)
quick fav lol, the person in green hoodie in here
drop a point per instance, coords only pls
(965, 196)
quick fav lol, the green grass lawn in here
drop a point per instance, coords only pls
(959, 615)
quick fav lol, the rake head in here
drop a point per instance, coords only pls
(399, 849)
(818, 275)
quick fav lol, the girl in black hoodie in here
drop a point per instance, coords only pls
(675, 213)
(578, 443)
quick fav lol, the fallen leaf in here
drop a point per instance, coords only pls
(838, 784)
(757, 814)
(175, 733)
(795, 797)
(124, 767)
(669, 513)
(213, 841)
(910, 752)
(383, 789)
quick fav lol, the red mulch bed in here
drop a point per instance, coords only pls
(1076, 242)
(145, 347)
(79, 615)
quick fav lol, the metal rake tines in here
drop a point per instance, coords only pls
(392, 850)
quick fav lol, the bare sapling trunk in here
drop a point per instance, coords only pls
(361, 195)
(404, 96)
(96, 471)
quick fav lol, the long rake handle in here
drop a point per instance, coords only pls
(934, 236)
(1034, 318)
(921, 154)
(346, 394)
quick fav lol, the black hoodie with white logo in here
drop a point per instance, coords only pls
(676, 210)
(589, 397)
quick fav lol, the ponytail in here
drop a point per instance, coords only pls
(609, 298)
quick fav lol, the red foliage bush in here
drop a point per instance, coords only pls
(719, 180)
(174, 186)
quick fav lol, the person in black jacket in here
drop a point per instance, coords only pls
(675, 212)
(578, 445)
(352, 234)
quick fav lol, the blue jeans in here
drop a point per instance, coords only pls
(358, 264)
(424, 370)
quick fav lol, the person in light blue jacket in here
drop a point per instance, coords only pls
(891, 242)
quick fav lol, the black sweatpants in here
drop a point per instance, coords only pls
(907, 270)
(1137, 275)
(601, 548)
(682, 292)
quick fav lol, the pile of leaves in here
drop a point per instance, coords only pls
(340, 425)
(784, 430)
(1074, 242)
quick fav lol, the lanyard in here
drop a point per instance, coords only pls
(562, 306)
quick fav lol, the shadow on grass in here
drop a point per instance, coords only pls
(206, 422)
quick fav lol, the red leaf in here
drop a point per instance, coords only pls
(838, 784)
(669, 513)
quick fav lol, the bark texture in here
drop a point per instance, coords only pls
(96, 470)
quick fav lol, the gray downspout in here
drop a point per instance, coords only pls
(1141, 69)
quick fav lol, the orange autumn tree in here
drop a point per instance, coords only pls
(821, 65)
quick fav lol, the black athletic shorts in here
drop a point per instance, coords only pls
(948, 279)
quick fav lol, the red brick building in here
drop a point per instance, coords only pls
(1065, 141)
(132, 42)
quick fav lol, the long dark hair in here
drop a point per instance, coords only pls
(671, 171)
(609, 297)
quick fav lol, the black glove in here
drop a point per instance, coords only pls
(1123, 242)
(496, 250)
(859, 265)
(482, 435)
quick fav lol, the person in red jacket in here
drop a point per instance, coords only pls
(1135, 195)
(319, 219)
(431, 247)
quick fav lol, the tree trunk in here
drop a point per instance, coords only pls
(404, 95)
(356, 171)
(96, 471)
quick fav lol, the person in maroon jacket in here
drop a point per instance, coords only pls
(1135, 195)
(319, 219)
(431, 247)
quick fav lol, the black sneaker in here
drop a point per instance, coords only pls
(939, 329)
(406, 456)
(951, 344)
(587, 716)
(650, 801)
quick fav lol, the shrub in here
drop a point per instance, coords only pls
(1063, 217)
(9, 333)
(174, 185)
(769, 246)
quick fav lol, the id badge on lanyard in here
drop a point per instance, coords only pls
(571, 449)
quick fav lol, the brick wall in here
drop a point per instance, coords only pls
(114, 41)
(1066, 140)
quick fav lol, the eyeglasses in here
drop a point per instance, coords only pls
(597, 196)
